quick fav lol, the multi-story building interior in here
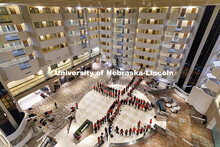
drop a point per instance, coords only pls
(39, 38)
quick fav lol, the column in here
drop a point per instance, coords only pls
(10, 118)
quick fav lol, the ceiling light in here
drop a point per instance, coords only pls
(124, 2)
(154, 4)
(143, 2)
(99, 3)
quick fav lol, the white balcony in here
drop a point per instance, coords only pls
(104, 15)
(49, 30)
(125, 66)
(93, 33)
(170, 60)
(51, 42)
(12, 54)
(174, 51)
(147, 54)
(216, 69)
(152, 16)
(129, 35)
(150, 26)
(76, 50)
(94, 43)
(130, 26)
(143, 61)
(188, 16)
(105, 32)
(22, 70)
(148, 45)
(149, 36)
(14, 37)
(128, 44)
(171, 39)
(92, 15)
(126, 59)
(56, 55)
(73, 38)
(92, 24)
(70, 16)
(213, 84)
(105, 24)
(128, 52)
(11, 19)
(130, 15)
(105, 40)
(136, 67)
(183, 29)
(105, 47)
(72, 28)
(46, 17)
(107, 54)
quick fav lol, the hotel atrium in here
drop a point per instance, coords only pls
(55, 60)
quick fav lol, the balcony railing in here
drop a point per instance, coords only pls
(120, 43)
(17, 53)
(84, 45)
(82, 37)
(24, 65)
(5, 19)
(120, 35)
(81, 27)
(12, 37)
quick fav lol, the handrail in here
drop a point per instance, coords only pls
(19, 130)
(139, 140)
(179, 89)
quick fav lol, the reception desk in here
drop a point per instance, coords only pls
(83, 131)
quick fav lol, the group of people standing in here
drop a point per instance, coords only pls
(106, 90)
(136, 130)
(114, 109)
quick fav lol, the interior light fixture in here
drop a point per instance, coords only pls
(143, 2)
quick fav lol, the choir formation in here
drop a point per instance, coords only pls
(114, 109)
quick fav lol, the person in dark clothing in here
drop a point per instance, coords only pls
(117, 129)
(126, 132)
(55, 105)
(130, 131)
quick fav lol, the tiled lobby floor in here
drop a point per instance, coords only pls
(179, 125)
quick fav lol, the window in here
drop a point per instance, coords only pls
(50, 24)
(3, 11)
(53, 36)
(8, 28)
(46, 10)
(41, 38)
(38, 25)
(7, 101)
(34, 10)
(15, 43)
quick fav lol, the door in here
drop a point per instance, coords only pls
(19, 27)
(12, 10)
(155, 21)
(150, 10)
(194, 10)
(183, 12)
(179, 24)
(189, 23)
(173, 46)
(154, 32)
(158, 11)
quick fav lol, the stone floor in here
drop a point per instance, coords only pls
(179, 125)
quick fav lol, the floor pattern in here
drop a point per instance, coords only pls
(179, 125)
